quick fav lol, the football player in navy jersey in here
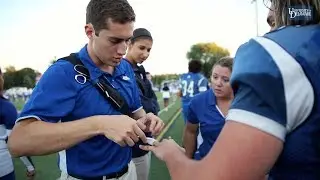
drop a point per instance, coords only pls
(191, 83)
(273, 125)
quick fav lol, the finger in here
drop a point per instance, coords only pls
(158, 127)
(183, 149)
(134, 137)
(153, 123)
(146, 148)
(140, 133)
(141, 125)
(143, 120)
(129, 141)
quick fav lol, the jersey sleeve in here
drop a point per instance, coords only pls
(203, 84)
(272, 93)
(54, 96)
(181, 79)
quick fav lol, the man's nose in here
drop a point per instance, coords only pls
(122, 48)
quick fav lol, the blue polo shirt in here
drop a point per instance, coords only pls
(58, 96)
(204, 111)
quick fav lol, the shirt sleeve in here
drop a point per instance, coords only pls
(136, 105)
(267, 83)
(54, 96)
(9, 115)
(191, 113)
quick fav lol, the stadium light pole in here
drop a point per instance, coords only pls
(257, 19)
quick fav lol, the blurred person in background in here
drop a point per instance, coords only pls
(165, 96)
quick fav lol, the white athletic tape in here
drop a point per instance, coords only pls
(151, 141)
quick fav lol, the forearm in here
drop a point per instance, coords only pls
(34, 137)
(189, 142)
(180, 167)
(139, 114)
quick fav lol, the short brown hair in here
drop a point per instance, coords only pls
(100, 11)
(225, 62)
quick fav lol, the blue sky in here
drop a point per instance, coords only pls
(32, 32)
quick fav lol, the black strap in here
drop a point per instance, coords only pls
(140, 75)
(104, 87)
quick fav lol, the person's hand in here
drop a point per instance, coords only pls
(122, 129)
(153, 123)
(164, 148)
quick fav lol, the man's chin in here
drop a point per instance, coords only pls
(115, 63)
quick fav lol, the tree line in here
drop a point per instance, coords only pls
(25, 77)
(208, 53)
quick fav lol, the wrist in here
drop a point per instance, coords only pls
(173, 157)
(174, 160)
(99, 124)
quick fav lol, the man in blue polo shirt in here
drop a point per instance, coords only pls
(67, 113)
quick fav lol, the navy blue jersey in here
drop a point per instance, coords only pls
(190, 85)
(277, 89)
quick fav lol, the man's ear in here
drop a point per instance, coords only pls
(89, 30)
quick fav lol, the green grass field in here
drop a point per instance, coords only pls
(47, 167)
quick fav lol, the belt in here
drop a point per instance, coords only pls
(109, 176)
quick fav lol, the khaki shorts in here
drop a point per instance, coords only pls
(143, 166)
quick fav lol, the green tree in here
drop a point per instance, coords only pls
(25, 77)
(208, 54)
(10, 69)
